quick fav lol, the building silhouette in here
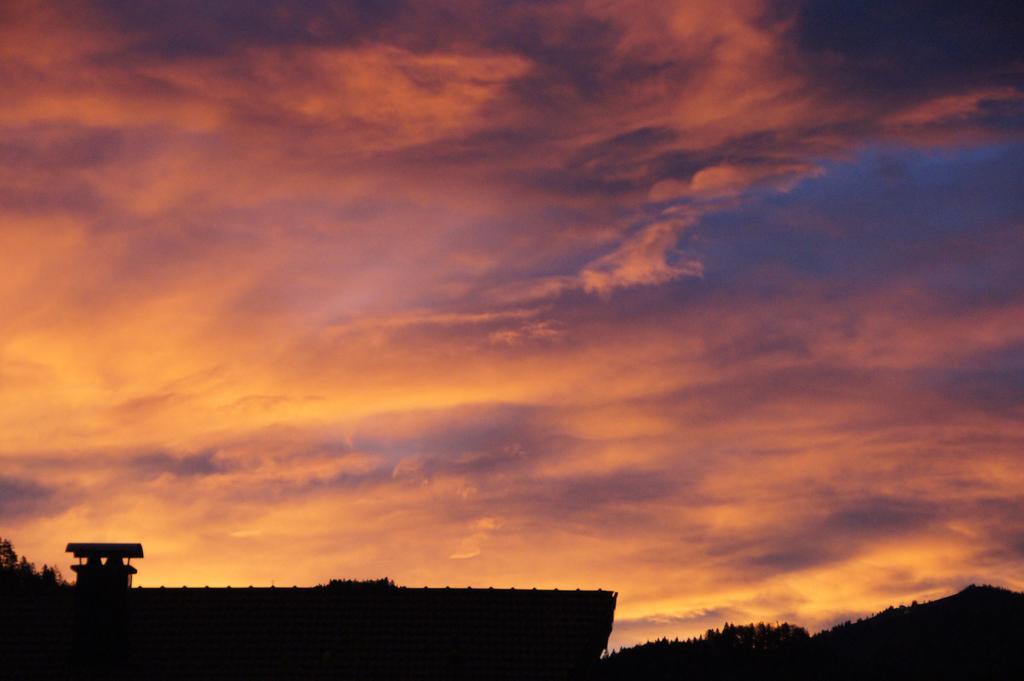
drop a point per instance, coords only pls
(103, 628)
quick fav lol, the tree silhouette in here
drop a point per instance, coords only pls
(18, 574)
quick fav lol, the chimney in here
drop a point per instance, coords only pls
(101, 603)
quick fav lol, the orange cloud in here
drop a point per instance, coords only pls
(569, 294)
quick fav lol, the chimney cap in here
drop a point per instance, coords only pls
(104, 550)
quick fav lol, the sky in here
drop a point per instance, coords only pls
(717, 305)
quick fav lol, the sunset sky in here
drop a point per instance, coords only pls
(718, 305)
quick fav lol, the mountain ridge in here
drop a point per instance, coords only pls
(976, 633)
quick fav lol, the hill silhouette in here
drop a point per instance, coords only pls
(975, 634)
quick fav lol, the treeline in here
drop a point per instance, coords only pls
(763, 651)
(18, 574)
(362, 585)
(975, 634)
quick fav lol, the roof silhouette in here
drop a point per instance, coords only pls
(337, 632)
